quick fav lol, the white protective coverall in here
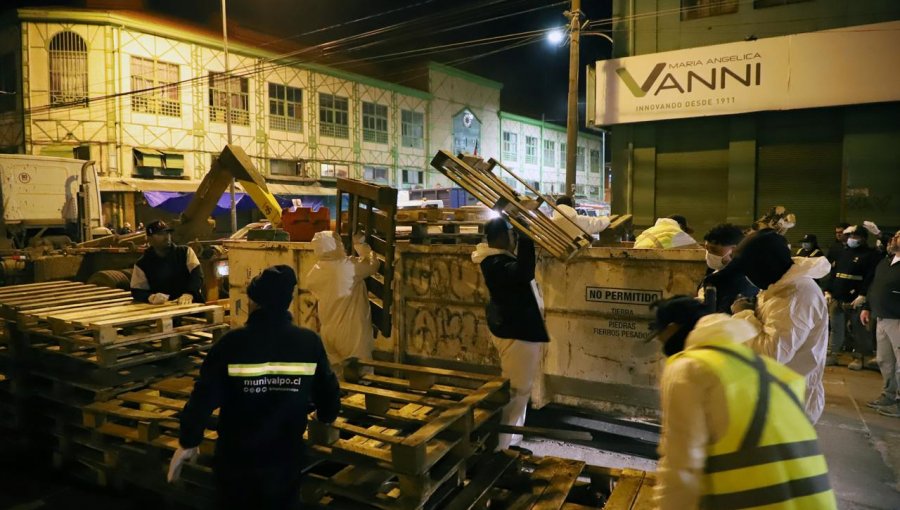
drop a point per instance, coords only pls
(666, 233)
(694, 414)
(590, 224)
(791, 320)
(337, 282)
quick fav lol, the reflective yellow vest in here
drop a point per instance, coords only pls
(769, 457)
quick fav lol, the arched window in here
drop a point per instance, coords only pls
(68, 69)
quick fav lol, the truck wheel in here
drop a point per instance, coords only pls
(113, 278)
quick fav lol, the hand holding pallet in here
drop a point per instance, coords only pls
(477, 177)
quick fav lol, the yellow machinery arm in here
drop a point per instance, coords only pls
(232, 163)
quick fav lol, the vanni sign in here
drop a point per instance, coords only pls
(827, 68)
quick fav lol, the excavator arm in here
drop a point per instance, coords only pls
(232, 163)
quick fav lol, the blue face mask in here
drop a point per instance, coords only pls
(853, 243)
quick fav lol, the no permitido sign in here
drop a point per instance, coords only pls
(621, 296)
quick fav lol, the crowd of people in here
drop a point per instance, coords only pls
(741, 390)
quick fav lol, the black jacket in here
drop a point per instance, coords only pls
(176, 273)
(835, 251)
(883, 296)
(729, 286)
(513, 311)
(852, 273)
(262, 377)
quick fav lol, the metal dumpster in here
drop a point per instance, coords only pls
(596, 312)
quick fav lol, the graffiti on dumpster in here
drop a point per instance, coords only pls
(452, 278)
(448, 332)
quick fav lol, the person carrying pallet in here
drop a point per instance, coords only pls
(262, 377)
(514, 315)
(166, 270)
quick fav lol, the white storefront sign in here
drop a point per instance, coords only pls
(835, 67)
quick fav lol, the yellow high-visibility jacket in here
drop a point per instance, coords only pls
(748, 443)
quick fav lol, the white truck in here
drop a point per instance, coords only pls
(43, 196)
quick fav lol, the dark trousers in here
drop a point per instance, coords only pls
(845, 325)
(257, 487)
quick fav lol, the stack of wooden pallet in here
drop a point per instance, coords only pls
(405, 434)
(71, 346)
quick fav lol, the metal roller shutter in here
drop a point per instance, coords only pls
(805, 178)
(695, 185)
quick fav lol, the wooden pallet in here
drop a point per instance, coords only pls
(144, 417)
(405, 418)
(181, 342)
(479, 178)
(372, 209)
(38, 296)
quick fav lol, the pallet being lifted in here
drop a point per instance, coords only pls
(560, 236)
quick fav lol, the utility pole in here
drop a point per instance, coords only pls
(574, 16)
(228, 109)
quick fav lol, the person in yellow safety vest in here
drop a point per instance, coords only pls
(734, 431)
(667, 233)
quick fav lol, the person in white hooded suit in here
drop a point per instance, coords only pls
(790, 315)
(338, 283)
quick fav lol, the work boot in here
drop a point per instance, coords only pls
(856, 364)
(892, 410)
(870, 363)
(881, 401)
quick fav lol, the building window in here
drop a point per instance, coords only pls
(159, 80)
(285, 108)
(549, 153)
(579, 159)
(68, 69)
(377, 174)
(510, 146)
(531, 150)
(375, 123)
(288, 167)
(334, 115)
(762, 4)
(333, 171)
(219, 88)
(579, 189)
(412, 177)
(8, 85)
(696, 9)
(511, 182)
(562, 156)
(595, 161)
(413, 129)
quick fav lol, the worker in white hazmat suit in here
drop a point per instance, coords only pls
(790, 315)
(338, 283)
(566, 209)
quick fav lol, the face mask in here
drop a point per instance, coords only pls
(714, 261)
(853, 243)
(806, 246)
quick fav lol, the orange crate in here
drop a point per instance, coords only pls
(302, 223)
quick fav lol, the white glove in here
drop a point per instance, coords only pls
(858, 302)
(185, 299)
(178, 459)
(158, 298)
(872, 228)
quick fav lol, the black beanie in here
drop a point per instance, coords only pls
(274, 287)
(764, 258)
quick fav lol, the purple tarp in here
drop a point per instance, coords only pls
(176, 202)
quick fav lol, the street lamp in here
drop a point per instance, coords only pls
(556, 36)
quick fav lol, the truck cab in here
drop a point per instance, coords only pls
(42, 196)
